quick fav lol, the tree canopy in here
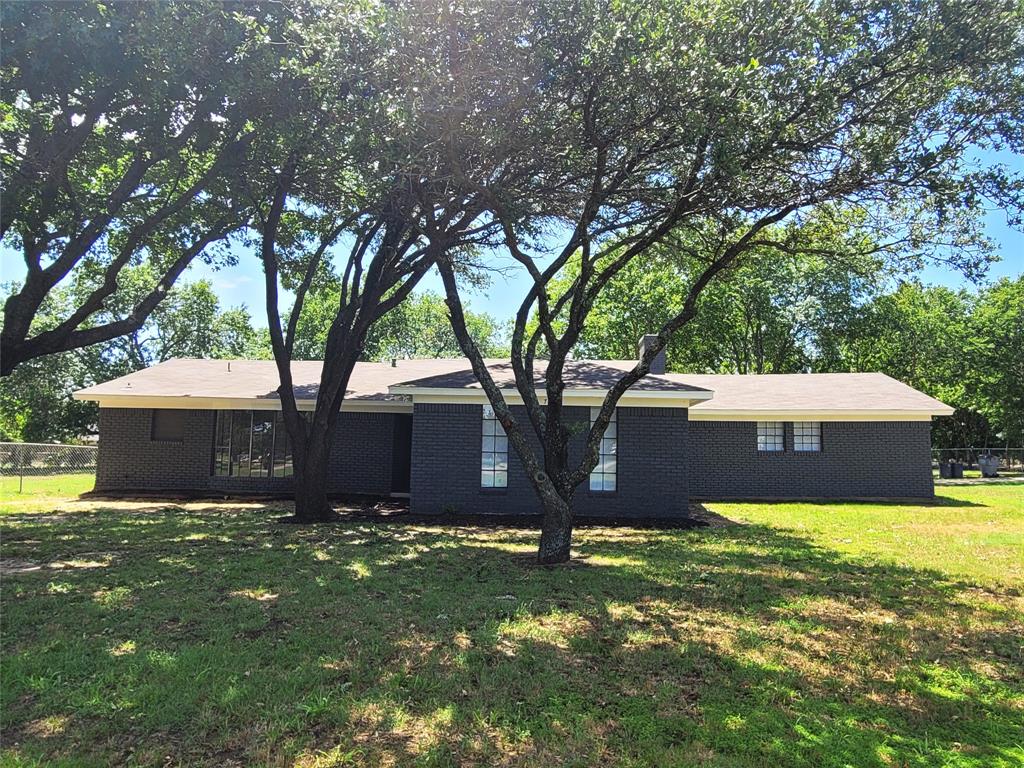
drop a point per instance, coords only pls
(769, 313)
(122, 144)
(963, 348)
(707, 127)
(35, 400)
(418, 327)
(354, 147)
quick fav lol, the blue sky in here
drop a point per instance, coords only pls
(242, 284)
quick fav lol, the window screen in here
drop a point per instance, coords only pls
(771, 436)
(603, 476)
(493, 452)
(806, 436)
(168, 426)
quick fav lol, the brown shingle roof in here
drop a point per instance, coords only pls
(774, 393)
(578, 374)
(257, 379)
(780, 392)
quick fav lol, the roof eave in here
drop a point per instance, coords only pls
(188, 402)
(818, 414)
(657, 398)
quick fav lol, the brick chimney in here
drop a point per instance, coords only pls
(658, 363)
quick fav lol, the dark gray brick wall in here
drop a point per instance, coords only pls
(129, 459)
(857, 459)
(662, 460)
(361, 455)
(446, 464)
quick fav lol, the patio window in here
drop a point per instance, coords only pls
(493, 452)
(252, 444)
(603, 476)
(771, 436)
(806, 435)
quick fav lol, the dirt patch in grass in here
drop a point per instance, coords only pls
(10, 567)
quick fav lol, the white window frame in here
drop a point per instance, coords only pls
(771, 436)
(493, 452)
(604, 476)
(807, 436)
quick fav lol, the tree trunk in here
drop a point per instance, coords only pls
(311, 505)
(556, 531)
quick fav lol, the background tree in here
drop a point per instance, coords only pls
(416, 328)
(116, 147)
(680, 122)
(419, 327)
(918, 335)
(960, 347)
(36, 404)
(769, 313)
(35, 400)
(189, 322)
(996, 348)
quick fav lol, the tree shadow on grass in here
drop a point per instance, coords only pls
(213, 636)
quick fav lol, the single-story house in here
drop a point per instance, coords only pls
(424, 429)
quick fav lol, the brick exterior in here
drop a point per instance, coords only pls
(861, 459)
(129, 459)
(663, 460)
(361, 456)
(651, 480)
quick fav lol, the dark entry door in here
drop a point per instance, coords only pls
(401, 453)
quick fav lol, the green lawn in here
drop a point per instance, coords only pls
(31, 488)
(974, 532)
(804, 635)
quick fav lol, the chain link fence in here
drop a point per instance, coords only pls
(44, 468)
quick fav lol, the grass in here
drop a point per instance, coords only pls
(974, 532)
(807, 635)
(34, 487)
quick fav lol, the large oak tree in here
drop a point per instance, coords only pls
(712, 123)
(402, 125)
(122, 128)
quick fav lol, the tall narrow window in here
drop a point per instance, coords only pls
(241, 443)
(493, 453)
(222, 445)
(806, 435)
(283, 466)
(602, 477)
(262, 443)
(771, 436)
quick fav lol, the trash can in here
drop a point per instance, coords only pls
(989, 465)
(945, 469)
(956, 470)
